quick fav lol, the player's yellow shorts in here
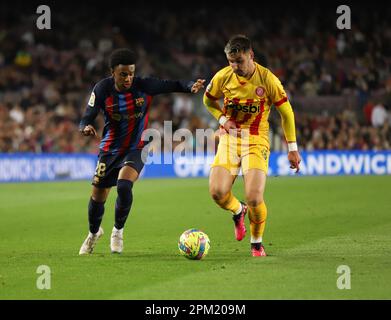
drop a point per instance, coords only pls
(234, 156)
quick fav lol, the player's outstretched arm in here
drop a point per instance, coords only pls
(154, 86)
(198, 85)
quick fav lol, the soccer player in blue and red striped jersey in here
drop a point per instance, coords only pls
(125, 101)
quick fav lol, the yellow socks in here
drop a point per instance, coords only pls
(229, 202)
(257, 216)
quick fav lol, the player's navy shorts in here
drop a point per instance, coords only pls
(108, 167)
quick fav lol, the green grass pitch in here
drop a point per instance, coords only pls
(315, 224)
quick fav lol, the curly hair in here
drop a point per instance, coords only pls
(122, 56)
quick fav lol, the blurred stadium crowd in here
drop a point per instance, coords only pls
(46, 76)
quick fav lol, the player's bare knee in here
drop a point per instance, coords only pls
(218, 193)
(254, 200)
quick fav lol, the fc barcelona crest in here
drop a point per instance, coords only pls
(139, 102)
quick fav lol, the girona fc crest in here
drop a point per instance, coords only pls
(260, 91)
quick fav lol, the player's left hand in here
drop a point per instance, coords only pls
(294, 160)
(198, 85)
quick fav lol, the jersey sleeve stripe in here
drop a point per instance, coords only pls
(278, 103)
(210, 96)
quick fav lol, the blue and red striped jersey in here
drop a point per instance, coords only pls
(126, 113)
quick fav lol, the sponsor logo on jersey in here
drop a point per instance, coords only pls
(119, 116)
(247, 109)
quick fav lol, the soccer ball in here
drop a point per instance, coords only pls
(194, 244)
